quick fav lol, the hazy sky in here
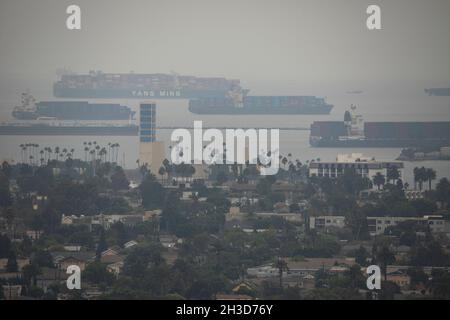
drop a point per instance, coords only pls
(285, 43)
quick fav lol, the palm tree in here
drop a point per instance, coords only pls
(162, 172)
(36, 146)
(282, 266)
(393, 174)
(102, 154)
(109, 151)
(57, 153)
(430, 175)
(384, 256)
(117, 151)
(21, 146)
(416, 177)
(284, 161)
(111, 147)
(50, 152)
(32, 145)
(42, 155)
(379, 180)
(25, 152)
(420, 175)
(167, 168)
(92, 153)
(443, 192)
(97, 148)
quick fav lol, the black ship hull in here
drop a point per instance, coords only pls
(270, 105)
(443, 92)
(261, 110)
(367, 143)
(73, 110)
(50, 130)
(336, 134)
(24, 115)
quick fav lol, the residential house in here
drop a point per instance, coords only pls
(111, 255)
(324, 223)
(436, 224)
(76, 220)
(234, 215)
(72, 248)
(64, 263)
(34, 234)
(12, 292)
(244, 286)
(151, 215)
(116, 267)
(130, 244)
(400, 278)
(168, 241)
(363, 166)
(50, 276)
(20, 263)
(63, 259)
(291, 217)
(106, 221)
(303, 268)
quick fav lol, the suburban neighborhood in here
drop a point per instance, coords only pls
(223, 231)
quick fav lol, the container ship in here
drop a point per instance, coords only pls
(70, 110)
(438, 92)
(260, 105)
(97, 84)
(353, 132)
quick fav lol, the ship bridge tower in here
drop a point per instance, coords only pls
(348, 122)
(356, 122)
(28, 103)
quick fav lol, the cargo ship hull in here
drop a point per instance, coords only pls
(262, 110)
(70, 110)
(48, 130)
(97, 84)
(368, 143)
(338, 134)
(443, 92)
(270, 105)
(79, 93)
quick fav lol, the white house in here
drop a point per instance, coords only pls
(325, 222)
(378, 225)
(363, 166)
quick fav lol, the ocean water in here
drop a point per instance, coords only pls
(381, 104)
